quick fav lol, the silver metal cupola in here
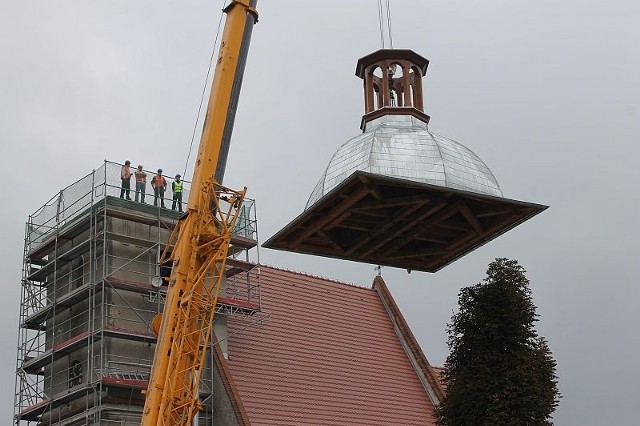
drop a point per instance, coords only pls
(398, 194)
(396, 141)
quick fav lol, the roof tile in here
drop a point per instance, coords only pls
(327, 356)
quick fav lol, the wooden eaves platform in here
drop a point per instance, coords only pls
(395, 222)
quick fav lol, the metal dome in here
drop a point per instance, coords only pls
(401, 146)
(399, 195)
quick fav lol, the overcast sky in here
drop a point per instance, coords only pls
(545, 92)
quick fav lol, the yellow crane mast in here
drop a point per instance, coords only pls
(202, 241)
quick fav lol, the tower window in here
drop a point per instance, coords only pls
(75, 374)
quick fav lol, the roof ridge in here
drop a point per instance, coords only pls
(308, 274)
(433, 385)
(228, 383)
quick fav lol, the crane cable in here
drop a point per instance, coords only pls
(389, 24)
(204, 89)
(381, 23)
(381, 14)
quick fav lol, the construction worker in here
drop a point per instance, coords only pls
(125, 175)
(176, 188)
(159, 184)
(141, 184)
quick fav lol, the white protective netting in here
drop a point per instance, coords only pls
(102, 182)
(60, 209)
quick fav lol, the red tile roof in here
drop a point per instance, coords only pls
(329, 355)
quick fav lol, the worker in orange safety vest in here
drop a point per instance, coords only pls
(141, 184)
(159, 185)
(125, 175)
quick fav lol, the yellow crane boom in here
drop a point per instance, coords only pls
(201, 241)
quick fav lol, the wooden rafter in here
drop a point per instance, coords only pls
(427, 218)
(400, 216)
(405, 224)
(332, 214)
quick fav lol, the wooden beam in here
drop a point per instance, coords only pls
(325, 236)
(439, 231)
(397, 217)
(368, 221)
(310, 227)
(462, 243)
(457, 226)
(497, 211)
(471, 218)
(391, 202)
(403, 254)
(431, 239)
(375, 191)
(373, 213)
(435, 214)
(352, 226)
(341, 218)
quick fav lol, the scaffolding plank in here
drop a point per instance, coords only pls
(78, 224)
(33, 365)
(37, 261)
(123, 382)
(243, 242)
(39, 275)
(34, 320)
(238, 304)
(33, 412)
(240, 264)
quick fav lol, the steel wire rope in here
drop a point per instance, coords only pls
(381, 23)
(204, 88)
(389, 24)
(381, 14)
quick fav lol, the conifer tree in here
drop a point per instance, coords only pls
(499, 371)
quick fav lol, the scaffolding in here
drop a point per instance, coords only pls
(91, 286)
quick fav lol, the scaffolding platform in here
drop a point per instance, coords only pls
(91, 285)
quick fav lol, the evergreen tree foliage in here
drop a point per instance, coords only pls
(499, 371)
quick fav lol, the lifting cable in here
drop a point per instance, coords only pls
(389, 24)
(381, 14)
(204, 89)
(381, 23)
